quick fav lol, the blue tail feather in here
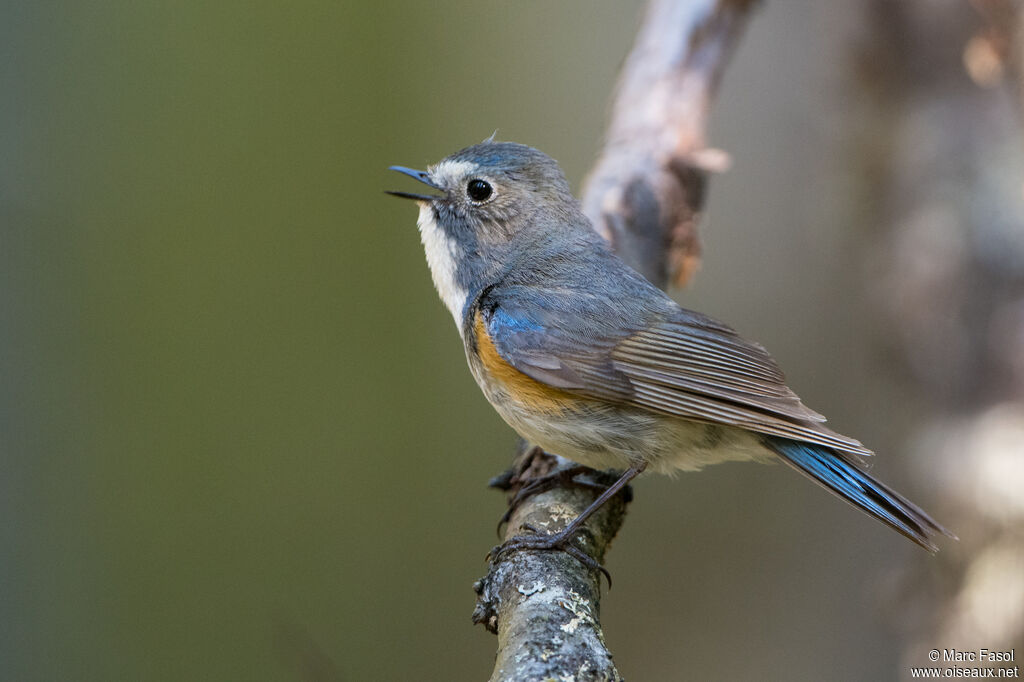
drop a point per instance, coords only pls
(837, 473)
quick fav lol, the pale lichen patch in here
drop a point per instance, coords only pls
(580, 610)
(538, 586)
(562, 512)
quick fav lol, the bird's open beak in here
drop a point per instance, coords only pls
(419, 175)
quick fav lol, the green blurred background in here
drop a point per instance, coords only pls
(239, 440)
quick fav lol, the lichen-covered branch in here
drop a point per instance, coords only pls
(544, 606)
(645, 196)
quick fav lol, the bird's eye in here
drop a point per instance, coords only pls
(478, 190)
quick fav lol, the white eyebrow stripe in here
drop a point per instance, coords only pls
(447, 172)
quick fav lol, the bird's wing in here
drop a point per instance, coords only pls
(668, 360)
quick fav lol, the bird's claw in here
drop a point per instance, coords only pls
(560, 541)
(534, 486)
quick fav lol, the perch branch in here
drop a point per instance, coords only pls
(644, 195)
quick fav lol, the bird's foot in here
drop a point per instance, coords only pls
(563, 478)
(560, 541)
(530, 458)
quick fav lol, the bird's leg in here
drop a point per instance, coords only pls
(563, 539)
(534, 486)
(530, 458)
(531, 474)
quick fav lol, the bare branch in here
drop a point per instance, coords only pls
(645, 196)
(647, 189)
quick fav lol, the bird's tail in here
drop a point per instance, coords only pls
(837, 473)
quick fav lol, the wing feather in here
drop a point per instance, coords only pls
(697, 408)
(668, 360)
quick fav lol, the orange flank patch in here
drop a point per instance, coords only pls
(529, 393)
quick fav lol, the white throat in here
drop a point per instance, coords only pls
(442, 257)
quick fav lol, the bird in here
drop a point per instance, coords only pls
(584, 357)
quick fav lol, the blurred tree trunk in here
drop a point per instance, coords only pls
(941, 161)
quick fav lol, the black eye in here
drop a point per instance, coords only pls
(478, 190)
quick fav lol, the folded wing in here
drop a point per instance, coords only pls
(666, 359)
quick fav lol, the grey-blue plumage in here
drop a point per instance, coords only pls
(583, 356)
